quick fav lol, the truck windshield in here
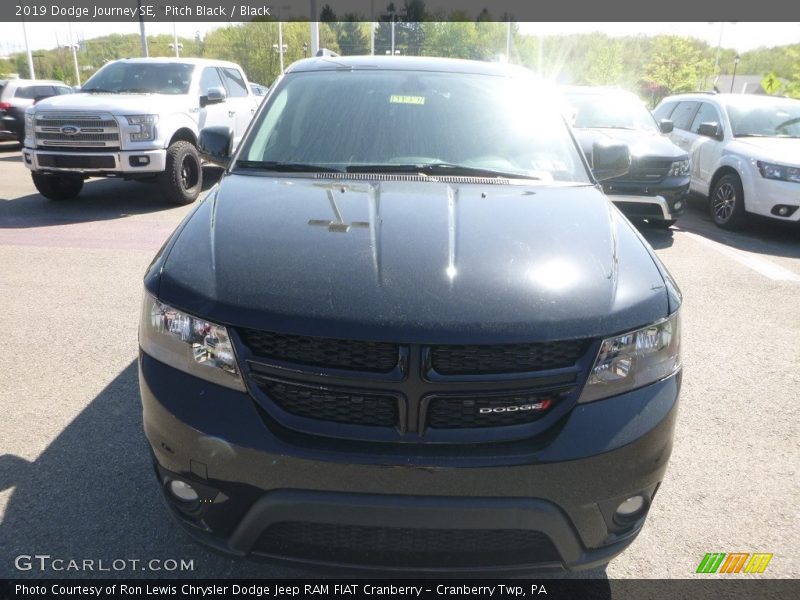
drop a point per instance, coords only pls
(612, 111)
(124, 77)
(400, 121)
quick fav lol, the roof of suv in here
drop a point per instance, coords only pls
(190, 61)
(409, 63)
(728, 98)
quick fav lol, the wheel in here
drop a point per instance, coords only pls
(662, 223)
(182, 180)
(57, 187)
(727, 202)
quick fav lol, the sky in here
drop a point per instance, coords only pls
(738, 36)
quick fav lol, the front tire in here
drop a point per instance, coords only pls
(57, 187)
(727, 202)
(182, 180)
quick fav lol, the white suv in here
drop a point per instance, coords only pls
(744, 150)
(136, 119)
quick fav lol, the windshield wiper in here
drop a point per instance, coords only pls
(98, 91)
(285, 167)
(439, 168)
(750, 135)
(133, 91)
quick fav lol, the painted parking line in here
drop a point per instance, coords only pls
(756, 263)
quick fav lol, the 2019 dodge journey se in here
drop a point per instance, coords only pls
(406, 329)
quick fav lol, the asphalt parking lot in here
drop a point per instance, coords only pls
(75, 477)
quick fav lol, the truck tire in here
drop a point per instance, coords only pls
(57, 187)
(182, 180)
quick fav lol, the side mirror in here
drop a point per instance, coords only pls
(216, 145)
(215, 95)
(610, 160)
(712, 130)
(666, 126)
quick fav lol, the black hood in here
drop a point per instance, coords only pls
(413, 261)
(642, 143)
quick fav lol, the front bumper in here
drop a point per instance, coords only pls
(254, 477)
(665, 201)
(100, 163)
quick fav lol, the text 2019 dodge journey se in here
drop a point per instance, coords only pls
(407, 330)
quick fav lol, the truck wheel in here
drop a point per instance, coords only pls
(57, 187)
(727, 202)
(182, 180)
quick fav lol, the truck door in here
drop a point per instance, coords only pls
(214, 115)
(241, 101)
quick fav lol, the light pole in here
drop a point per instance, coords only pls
(735, 64)
(142, 34)
(176, 45)
(28, 50)
(280, 47)
(74, 47)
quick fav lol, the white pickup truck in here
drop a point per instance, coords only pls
(136, 119)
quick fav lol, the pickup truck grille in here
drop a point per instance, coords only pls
(76, 130)
(398, 392)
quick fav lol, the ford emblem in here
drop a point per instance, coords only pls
(70, 130)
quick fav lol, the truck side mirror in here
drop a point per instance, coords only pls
(666, 126)
(610, 160)
(216, 145)
(215, 95)
(712, 130)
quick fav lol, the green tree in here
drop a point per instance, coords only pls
(675, 66)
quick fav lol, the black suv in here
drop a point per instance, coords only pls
(407, 329)
(16, 95)
(657, 185)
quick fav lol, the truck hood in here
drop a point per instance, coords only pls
(116, 103)
(412, 262)
(782, 150)
(650, 144)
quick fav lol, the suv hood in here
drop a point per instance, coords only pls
(650, 144)
(116, 103)
(412, 261)
(782, 150)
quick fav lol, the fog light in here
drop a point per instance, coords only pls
(678, 205)
(782, 211)
(182, 491)
(630, 508)
(139, 161)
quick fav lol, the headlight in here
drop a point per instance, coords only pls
(188, 343)
(29, 125)
(147, 127)
(635, 359)
(679, 168)
(783, 173)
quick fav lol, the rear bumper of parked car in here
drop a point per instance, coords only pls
(269, 492)
(666, 201)
(124, 163)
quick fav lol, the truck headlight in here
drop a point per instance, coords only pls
(146, 125)
(635, 359)
(679, 168)
(29, 125)
(188, 343)
(781, 172)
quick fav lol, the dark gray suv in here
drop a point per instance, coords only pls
(408, 330)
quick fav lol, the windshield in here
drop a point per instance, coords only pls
(780, 118)
(615, 111)
(411, 121)
(141, 78)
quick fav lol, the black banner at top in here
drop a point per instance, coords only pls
(406, 10)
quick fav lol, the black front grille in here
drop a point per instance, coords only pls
(355, 355)
(649, 169)
(66, 161)
(390, 546)
(460, 412)
(338, 406)
(505, 358)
